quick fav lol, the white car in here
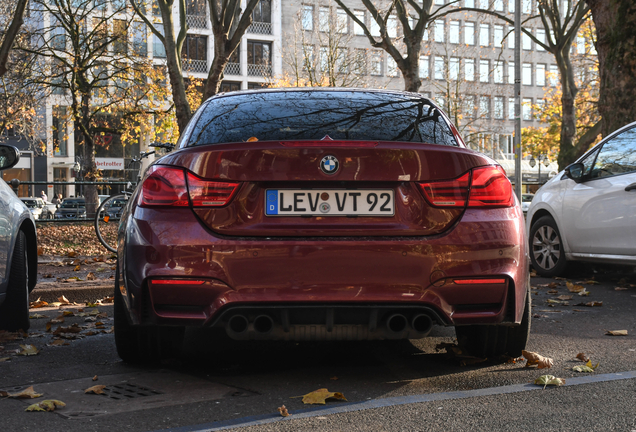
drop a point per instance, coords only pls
(526, 199)
(588, 211)
(18, 252)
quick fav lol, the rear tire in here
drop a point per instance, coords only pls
(488, 341)
(14, 312)
(546, 248)
(143, 344)
(103, 228)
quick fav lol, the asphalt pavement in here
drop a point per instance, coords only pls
(218, 384)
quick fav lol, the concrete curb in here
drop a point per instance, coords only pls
(78, 292)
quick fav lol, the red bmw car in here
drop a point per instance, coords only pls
(314, 214)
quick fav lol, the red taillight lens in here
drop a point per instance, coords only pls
(205, 193)
(490, 188)
(449, 193)
(164, 186)
(485, 187)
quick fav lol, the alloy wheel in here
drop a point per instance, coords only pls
(546, 247)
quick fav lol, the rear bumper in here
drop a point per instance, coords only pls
(226, 275)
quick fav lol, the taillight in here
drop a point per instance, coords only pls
(448, 193)
(490, 188)
(483, 187)
(205, 193)
(173, 187)
(164, 186)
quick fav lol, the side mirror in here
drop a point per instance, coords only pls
(9, 156)
(575, 172)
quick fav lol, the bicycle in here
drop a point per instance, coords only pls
(111, 208)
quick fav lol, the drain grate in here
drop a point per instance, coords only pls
(126, 391)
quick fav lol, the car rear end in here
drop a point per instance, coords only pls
(323, 215)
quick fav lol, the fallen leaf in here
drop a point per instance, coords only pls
(335, 378)
(584, 293)
(72, 329)
(616, 333)
(48, 327)
(620, 289)
(77, 268)
(574, 288)
(582, 357)
(95, 378)
(283, 411)
(533, 274)
(106, 300)
(27, 393)
(57, 342)
(68, 314)
(28, 350)
(591, 304)
(91, 304)
(38, 304)
(564, 297)
(537, 359)
(553, 292)
(46, 405)
(48, 276)
(559, 278)
(553, 285)
(96, 389)
(587, 367)
(37, 316)
(591, 282)
(71, 254)
(75, 262)
(546, 380)
(320, 396)
(90, 276)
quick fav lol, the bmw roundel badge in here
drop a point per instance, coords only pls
(329, 165)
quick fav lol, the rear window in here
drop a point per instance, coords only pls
(312, 115)
(73, 204)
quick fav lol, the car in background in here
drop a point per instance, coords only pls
(588, 211)
(40, 208)
(322, 214)
(18, 251)
(71, 208)
(526, 199)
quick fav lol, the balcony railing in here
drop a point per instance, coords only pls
(259, 70)
(195, 66)
(198, 21)
(232, 69)
(260, 28)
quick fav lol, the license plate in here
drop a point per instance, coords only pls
(329, 202)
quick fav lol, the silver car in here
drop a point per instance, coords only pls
(18, 251)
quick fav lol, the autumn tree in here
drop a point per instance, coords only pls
(11, 19)
(323, 58)
(615, 23)
(89, 60)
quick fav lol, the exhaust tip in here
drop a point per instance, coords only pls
(396, 323)
(263, 324)
(237, 324)
(422, 323)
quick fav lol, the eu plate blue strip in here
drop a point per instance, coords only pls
(392, 401)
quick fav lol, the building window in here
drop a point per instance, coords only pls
(158, 50)
(484, 106)
(526, 42)
(469, 106)
(511, 5)
(498, 72)
(256, 86)
(526, 74)
(540, 75)
(511, 72)
(484, 35)
(540, 105)
(498, 35)
(139, 37)
(120, 46)
(357, 29)
(469, 69)
(511, 108)
(526, 6)
(541, 37)
(424, 67)
(308, 17)
(554, 75)
(360, 62)
(453, 37)
(484, 71)
(391, 67)
(439, 2)
(391, 27)
(469, 3)
(261, 13)
(259, 53)
(374, 28)
(323, 19)
(469, 33)
(499, 108)
(483, 4)
(229, 86)
(195, 47)
(342, 20)
(511, 37)
(439, 68)
(453, 68)
(376, 63)
(526, 108)
(580, 45)
(60, 131)
(499, 5)
(58, 37)
(439, 31)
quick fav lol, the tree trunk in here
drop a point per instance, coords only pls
(10, 34)
(221, 57)
(181, 105)
(90, 192)
(615, 22)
